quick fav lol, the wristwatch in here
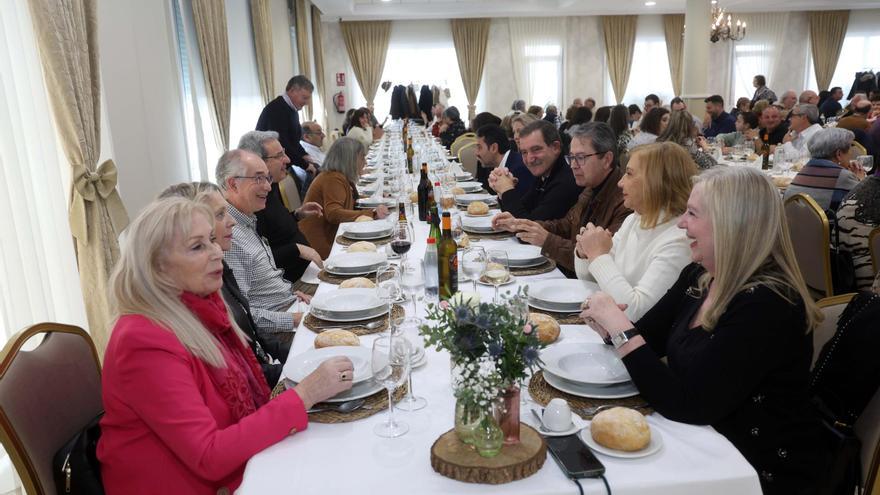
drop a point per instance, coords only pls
(620, 339)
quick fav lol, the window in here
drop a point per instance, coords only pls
(650, 65)
(544, 64)
(859, 51)
(537, 53)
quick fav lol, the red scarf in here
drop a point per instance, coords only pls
(241, 382)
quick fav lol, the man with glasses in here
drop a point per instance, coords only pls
(804, 123)
(246, 184)
(312, 140)
(554, 190)
(593, 162)
(275, 222)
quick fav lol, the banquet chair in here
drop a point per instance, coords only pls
(467, 156)
(874, 246)
(47, 395)
(831, 308)
(811, 238)
(856, 150)
(462, 141)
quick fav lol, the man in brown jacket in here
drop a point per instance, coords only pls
(593, 162)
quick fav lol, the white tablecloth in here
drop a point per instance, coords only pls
(350, 458)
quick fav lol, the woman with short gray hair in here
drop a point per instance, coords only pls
(334, 189)
(830, 173)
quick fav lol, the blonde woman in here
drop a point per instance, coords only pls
(334, 189)
(186, 404)
(682, 130)
(647, 253)
(736, 331)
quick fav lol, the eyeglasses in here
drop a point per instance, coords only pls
(581, 158)
(277, 156)
(255, 178)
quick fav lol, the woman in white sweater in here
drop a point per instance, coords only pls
(642, 260)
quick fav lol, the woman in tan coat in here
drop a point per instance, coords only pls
(334, 189)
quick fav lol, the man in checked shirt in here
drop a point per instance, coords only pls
(245, 181)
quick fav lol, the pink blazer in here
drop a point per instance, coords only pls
(166, 428)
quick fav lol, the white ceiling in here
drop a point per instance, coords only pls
(433, 9)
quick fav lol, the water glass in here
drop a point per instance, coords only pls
(497, 270)
(390, 362)
(402, 328)
(412, 279)
(473, 262)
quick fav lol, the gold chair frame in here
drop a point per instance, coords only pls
(826, 237)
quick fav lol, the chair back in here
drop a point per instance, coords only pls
(831, 308)
(867, 428)
(47, 395)
(462, 141)
(811, 238)
(467, 155)
(856, 149)
(874, 246)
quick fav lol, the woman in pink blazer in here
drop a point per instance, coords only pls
(186, 402)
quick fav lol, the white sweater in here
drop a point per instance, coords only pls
(642, 265)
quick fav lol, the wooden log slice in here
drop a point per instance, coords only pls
(453, 459)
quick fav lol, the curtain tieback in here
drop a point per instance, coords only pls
(88, 186)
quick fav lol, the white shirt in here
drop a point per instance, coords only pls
(503, 162)
(314, 152)
(641, 266)
(797, 147)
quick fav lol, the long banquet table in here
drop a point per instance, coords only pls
(350, 458)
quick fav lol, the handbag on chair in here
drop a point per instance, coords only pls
(75, 466)
(843, 271)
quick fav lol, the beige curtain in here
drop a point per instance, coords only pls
(673, 28)
(210, 19)
(301, 14)
(620, 38)
(67, 35)
(367, 44)
(318, 47)
(471, 37)
(827, 31)
(262, 22)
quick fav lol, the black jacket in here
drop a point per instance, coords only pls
(279, 117)
(278, 225)
(241, 312)
(426, 101)
(748, 378)
(547, 199)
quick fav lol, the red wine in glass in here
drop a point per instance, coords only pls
(400, 246)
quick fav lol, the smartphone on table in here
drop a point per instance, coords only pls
(574, 457)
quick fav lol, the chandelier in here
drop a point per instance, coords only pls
(723, 27)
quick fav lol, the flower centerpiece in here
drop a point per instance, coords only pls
(491, 347)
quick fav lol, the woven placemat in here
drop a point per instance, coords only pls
(338, 279)
(318, 325)
(345, 241)
(561, 318)
(493, 236)
(543, 393)
(373, 404)
(545, 267)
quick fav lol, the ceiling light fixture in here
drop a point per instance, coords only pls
(723, 27)
(650, 4)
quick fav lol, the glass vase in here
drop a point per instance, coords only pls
(507, 414)
(488, 437)
(467, 417)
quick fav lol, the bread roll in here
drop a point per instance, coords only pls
(362, 247)
(414, 197)
(464, 242)
(782, 181)
(357, 283)
(478, 208)
(621, 428)
(457, 190)
(363, 218)
(547, 327)
(336, 337)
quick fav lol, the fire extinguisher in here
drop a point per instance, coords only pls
(339, 102)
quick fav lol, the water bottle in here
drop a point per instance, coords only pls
(431, 275)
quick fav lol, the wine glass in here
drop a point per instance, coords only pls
(457, 230)
(390, 364)
(411, 279)
(497, 270)
(401, 239)
(866, 162)
(402, 327)
(473, 262)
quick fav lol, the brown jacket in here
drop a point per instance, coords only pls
(333, 191)
(604, 209)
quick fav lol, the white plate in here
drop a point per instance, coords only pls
(562, 295)
(359, 391)
(372, 202)
(617, 391)
(355, 263)
(366, 237)
(464, 176)
(521, 256)
(491, 213)
(585, 362)
(653, 447)
(300, 366)
(345, 301)
(470, 198)
(577, 424)
(470, 186)
(372, 227)
(369, 178)
(351, 317)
